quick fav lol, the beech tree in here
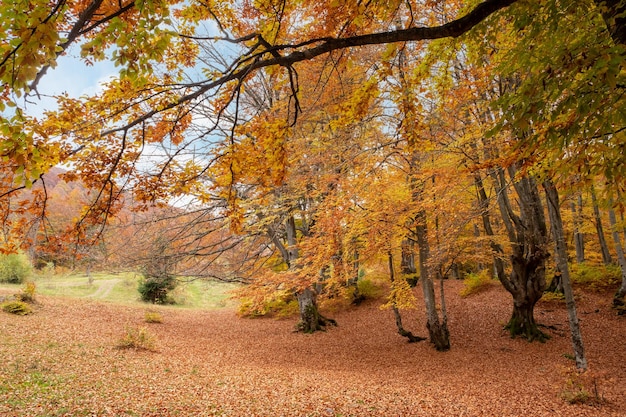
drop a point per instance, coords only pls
(182, 89)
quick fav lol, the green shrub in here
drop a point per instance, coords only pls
(153, 317)
(368, 289)
(28, 293)
(16, 307)
(596, 277)
(14, 268)
(155, 289)
(475, 283)
(136, 338)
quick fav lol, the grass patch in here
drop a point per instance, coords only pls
(121, 288)
(206, 295)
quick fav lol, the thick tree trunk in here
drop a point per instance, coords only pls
(310, 318)
(528, 234)
(528, 280)
(552, 198)
(437, 331)
(618, 298)
(604, 248)
(522, 322)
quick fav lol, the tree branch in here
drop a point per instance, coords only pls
(452, 29)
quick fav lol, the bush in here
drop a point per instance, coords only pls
(475, 283)
(16, 307)
(155, 289)
(136, 338)
(28, 293)
(280, 304)
(153, 317)
(596, 277)
(369, 289)
(14, 268)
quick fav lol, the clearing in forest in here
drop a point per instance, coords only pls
(65, 360)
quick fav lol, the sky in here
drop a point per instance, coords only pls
(71, 76)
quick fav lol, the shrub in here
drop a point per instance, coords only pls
(475, 283)
(281, 304)
(16, 307)
(369, 289)
(155, 289)
(153, 317)
(555, 297)
(28, 293)
(14, 268)
(136, 338)
(596, 277)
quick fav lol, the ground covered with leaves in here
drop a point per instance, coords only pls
(68, 359)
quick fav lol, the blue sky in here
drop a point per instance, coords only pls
(71, 76)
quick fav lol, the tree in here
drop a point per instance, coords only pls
(177, 91)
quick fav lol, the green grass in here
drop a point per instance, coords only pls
(121, 288)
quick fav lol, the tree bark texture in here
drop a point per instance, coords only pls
(604, 248)
(618, 298)
(483, 204)
(554, 211)
(579, 237)
(528, 235)
(437, 331)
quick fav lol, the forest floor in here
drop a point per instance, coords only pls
(65, 360)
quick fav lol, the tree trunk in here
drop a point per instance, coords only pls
(396, 312)
(357, 297)
(554, 211)
(579, 237)
(604, 248)
(407, 264)
(528, 234)
(437, 331)
(483, 202)
(528, 279)
(618, 298)
(310, 318)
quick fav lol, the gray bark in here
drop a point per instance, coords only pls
(579, 237)
(618, 299)
(483, 202)
(604, 248)
(554, 211)
(437, 330)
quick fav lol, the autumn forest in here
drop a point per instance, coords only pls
(386, 186)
